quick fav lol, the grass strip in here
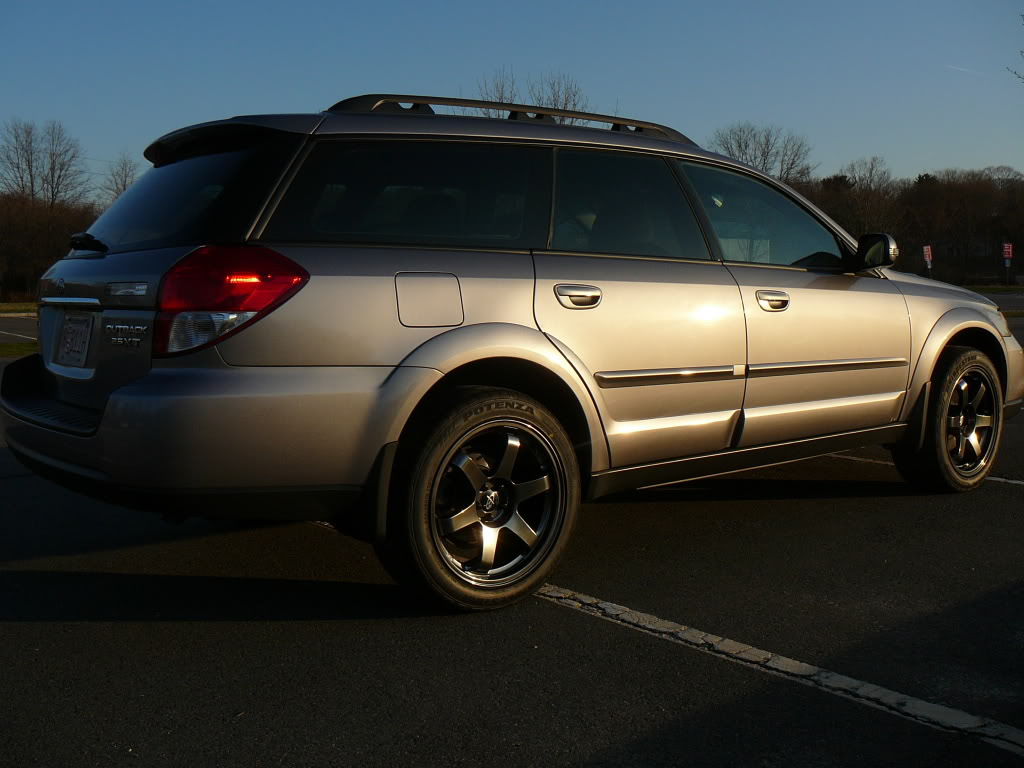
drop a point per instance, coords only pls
(18, 348)
(17, 306)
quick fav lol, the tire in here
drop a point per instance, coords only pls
(492, 503)
(963, 426)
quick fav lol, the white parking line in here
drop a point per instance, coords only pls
(935, 715)
(20, 336)
(890, 464)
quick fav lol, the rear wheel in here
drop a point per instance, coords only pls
(492, 502)
(963, 426)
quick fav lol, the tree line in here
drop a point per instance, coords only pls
(964, 215)
(46, 194)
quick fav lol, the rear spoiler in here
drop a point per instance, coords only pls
(206, 137)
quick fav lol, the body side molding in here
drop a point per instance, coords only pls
(606, 379)
(820, 366)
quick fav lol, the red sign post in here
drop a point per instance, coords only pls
(928, 258)
(1007, 259)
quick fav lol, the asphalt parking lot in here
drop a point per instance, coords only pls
(19, 328)
(127, 640)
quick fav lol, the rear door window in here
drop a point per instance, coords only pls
(617, 202)
(417, 192)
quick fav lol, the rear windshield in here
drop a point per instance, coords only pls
(201, 198)
(422, 192)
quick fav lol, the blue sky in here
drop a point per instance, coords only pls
(924, 85)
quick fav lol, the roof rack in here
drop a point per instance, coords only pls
(423, 105)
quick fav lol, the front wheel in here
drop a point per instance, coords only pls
(963, 427)
(493, 500)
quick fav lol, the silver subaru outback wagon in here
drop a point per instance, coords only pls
(444, 331)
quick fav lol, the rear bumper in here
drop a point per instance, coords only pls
(232, 433)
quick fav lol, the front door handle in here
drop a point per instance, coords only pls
(773, 301)
(573, 296)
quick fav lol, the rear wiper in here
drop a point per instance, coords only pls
(83, 241)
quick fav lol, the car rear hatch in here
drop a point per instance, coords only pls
(98, 305)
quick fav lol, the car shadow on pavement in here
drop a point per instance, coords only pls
(59, 527)
(68, 596)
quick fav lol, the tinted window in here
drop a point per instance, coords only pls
(614, 202)
(201, 198)
(426, 192)
(757, 224)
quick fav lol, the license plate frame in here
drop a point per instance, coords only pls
(75, 337)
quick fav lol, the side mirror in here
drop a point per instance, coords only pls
(876, 250)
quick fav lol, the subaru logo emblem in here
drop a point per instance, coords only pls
(60, 286)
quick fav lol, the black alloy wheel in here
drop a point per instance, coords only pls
(493, 500)
(497, 500)
(962, 429)
(971, 427)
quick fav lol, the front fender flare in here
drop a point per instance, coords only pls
(945, 328)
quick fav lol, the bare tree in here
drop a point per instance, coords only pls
(792, 164)
(1014, 71)
(1003, 175)
(46, 165)
(873, 193)
(19, 157)
(500, 87)
(772, 150)
(122, 174)
(556, 90)
(869, 173)
(64, 179)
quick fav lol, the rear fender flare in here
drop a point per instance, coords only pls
(449, 351)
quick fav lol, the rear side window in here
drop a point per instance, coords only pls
(212, 194)
(615, 202)
(423, 193)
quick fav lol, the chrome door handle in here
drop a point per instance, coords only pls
(573, 296)
(773, 301)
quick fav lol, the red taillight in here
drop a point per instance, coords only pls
(216, 290)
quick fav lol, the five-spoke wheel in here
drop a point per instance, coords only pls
(492, 502)
(496, 500)
(970, 421)
(963, 425)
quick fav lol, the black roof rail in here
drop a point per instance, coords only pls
(422, 105)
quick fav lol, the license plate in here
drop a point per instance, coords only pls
(74, 339)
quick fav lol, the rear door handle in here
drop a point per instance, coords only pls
(572, 296)
(773, 301)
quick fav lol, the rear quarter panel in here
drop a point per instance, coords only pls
(348, 313)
